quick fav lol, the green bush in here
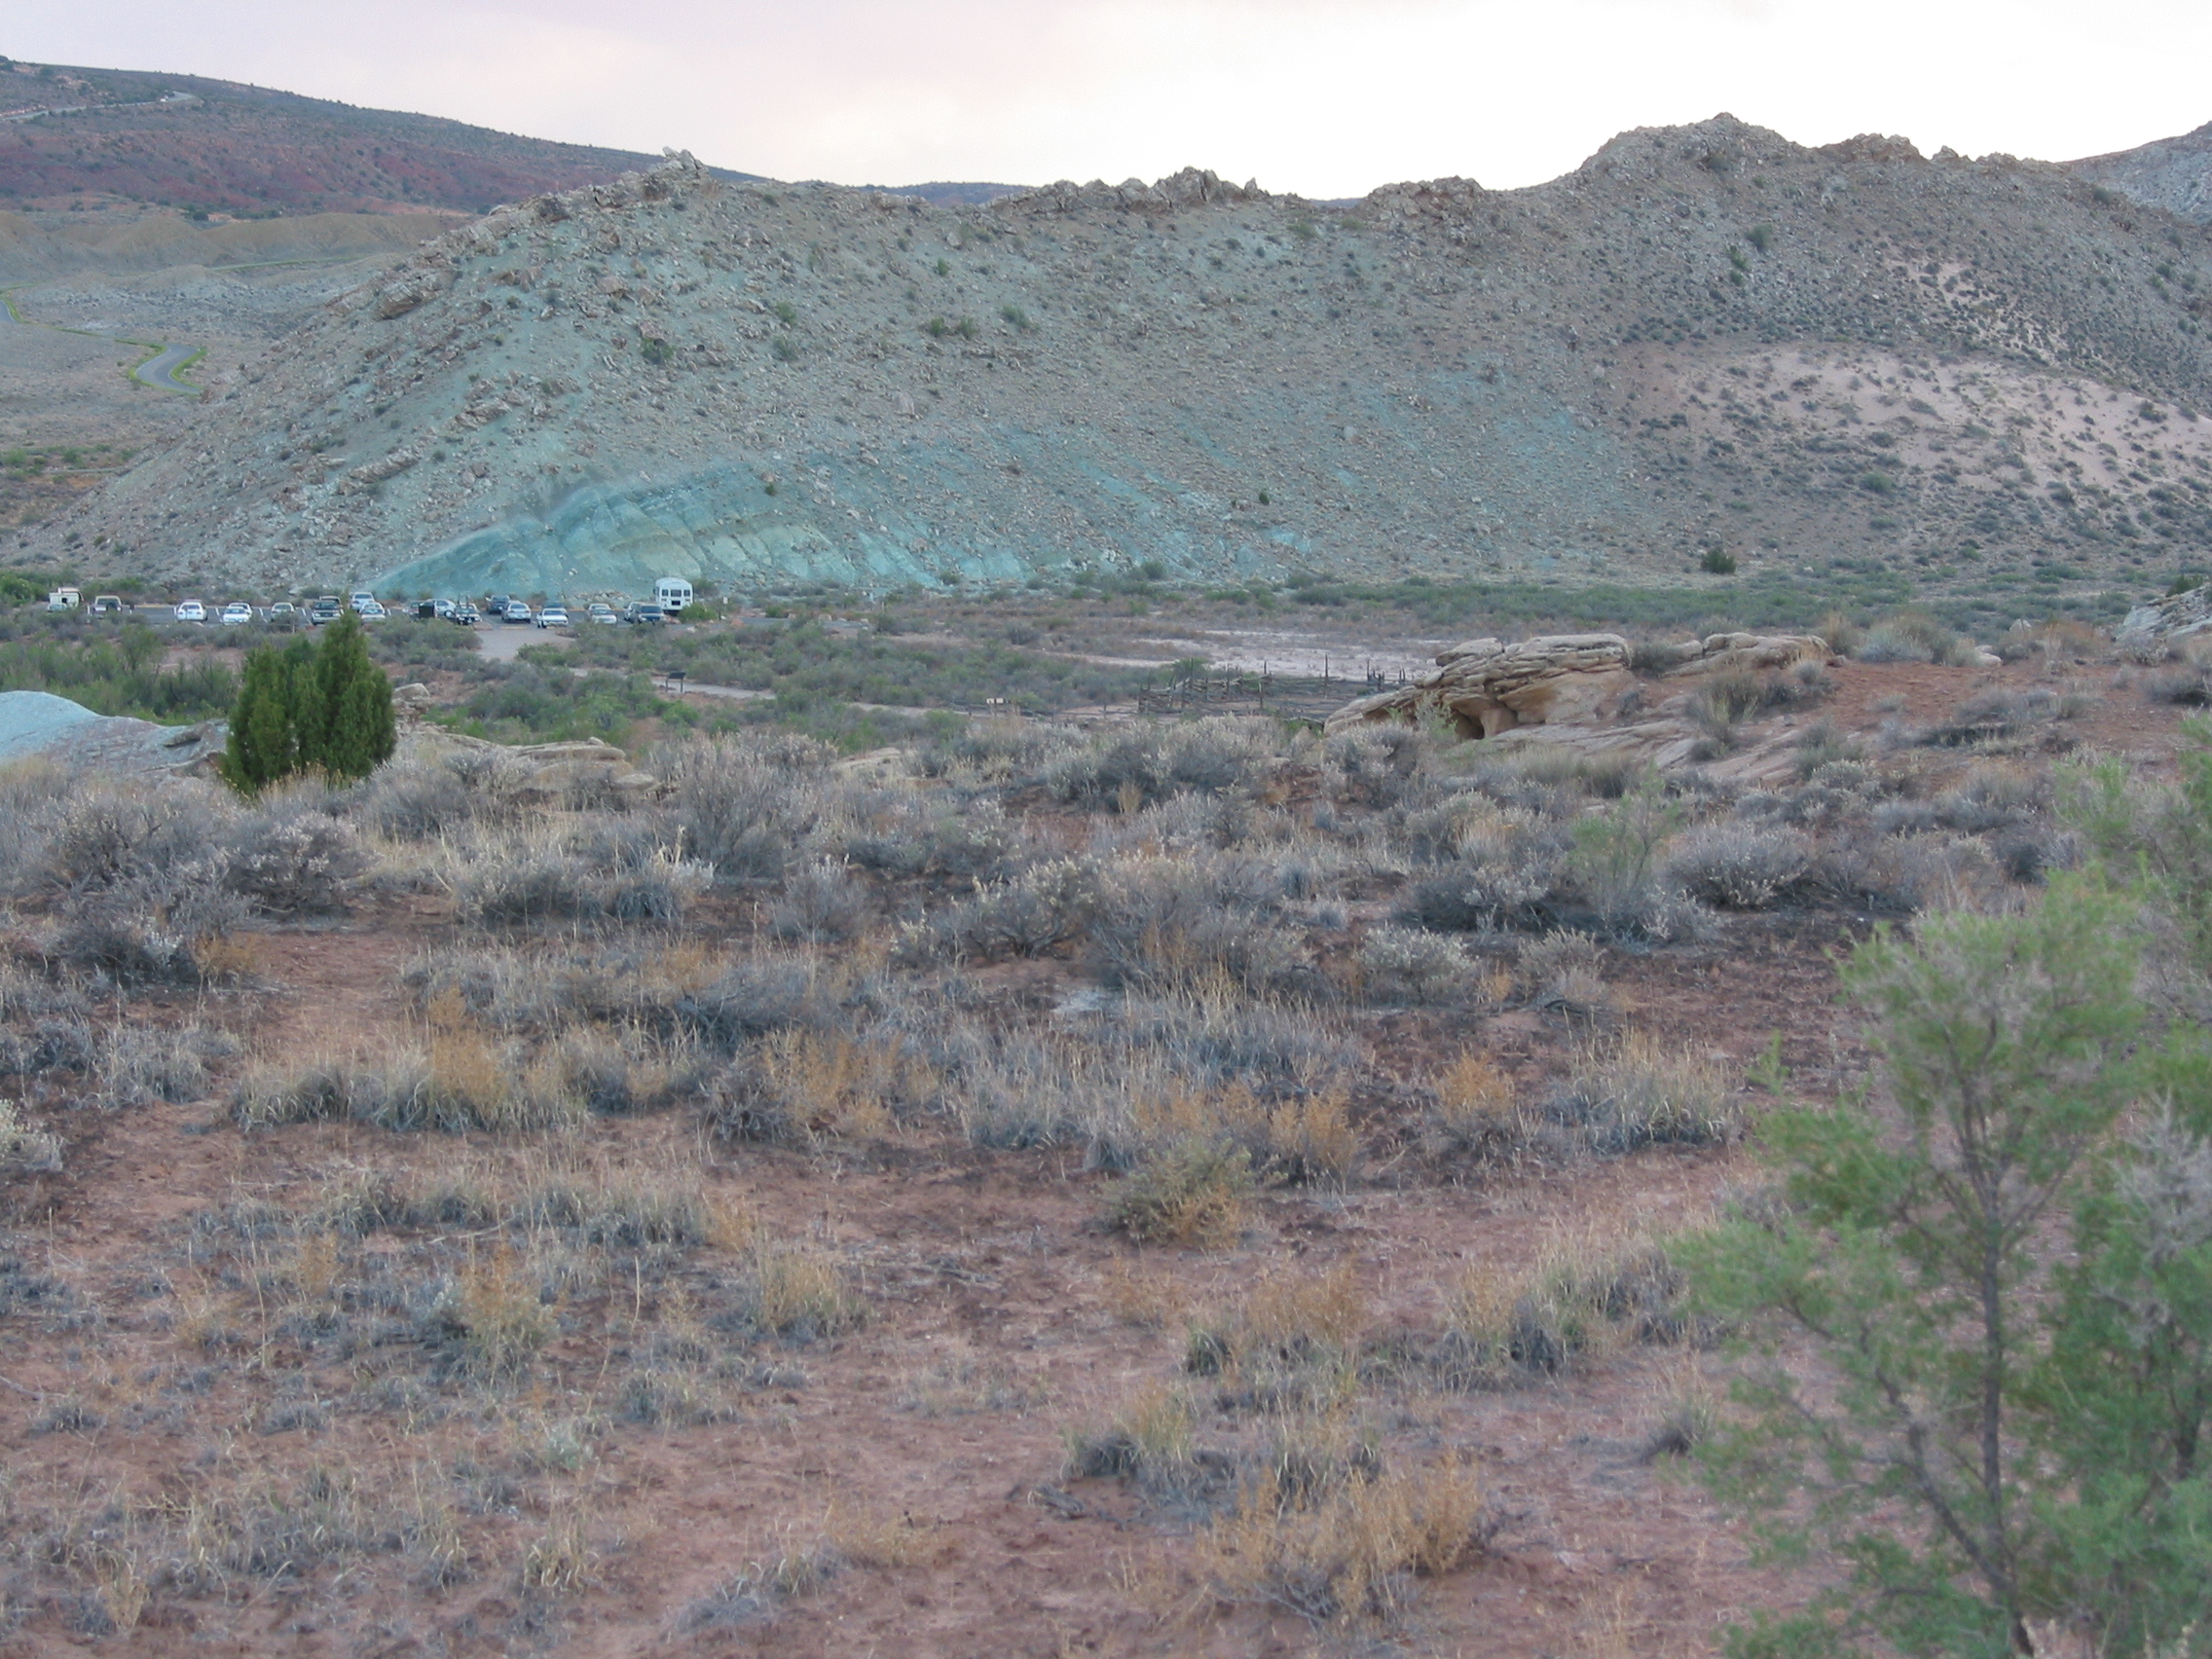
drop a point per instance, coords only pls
(311, 705)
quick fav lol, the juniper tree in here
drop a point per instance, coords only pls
(358, 727)
(2001, 1427)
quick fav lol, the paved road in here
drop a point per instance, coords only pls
(161, 370)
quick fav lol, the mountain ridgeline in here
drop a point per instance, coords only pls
(1706, 339)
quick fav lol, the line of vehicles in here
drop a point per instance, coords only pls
(670, 594)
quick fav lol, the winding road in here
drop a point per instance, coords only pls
(159, 370)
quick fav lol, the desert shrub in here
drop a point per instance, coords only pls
(1046, 905)
(1614, 867)
(458, 1081)
(1500, 867)
(1914, 636)
(821, 903)
(1586, 1297)
(1197, 1191)
(798, 1084)
(998, 751)
(109, 831)
(1373, 764)
(1638, 1091)
(294, 862)
(912, 834)
(1737, 866)
(1152, 763)
(744, 806)
(514, 879)
(2189, 686)
(1405, 965)
(421, 797)
(1161, 923)
(30, 793)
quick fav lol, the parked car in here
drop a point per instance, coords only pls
(108, 604)
(328, 609)
(441, 608)
(602, 611)
(284, 614)
(466, 614)
(370, 612)
(235, 612)
(518, 611)
(644, 611)
(360, 598)
(553, 617)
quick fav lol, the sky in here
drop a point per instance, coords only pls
(1324, 97)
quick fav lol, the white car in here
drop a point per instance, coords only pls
(361, 598)
(192, 610)
(518, 610)
(605, 613)
(553, 617)
(235, 612)
(369, 611)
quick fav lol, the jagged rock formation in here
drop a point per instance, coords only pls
(2171, 174)
(1703, 335)
(2175, 617)
(1488, 688)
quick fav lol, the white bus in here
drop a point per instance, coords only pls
(672, 594)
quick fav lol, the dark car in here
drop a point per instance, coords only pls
(328, 609)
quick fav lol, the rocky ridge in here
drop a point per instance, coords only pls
(2171, 174)
(1705, 335)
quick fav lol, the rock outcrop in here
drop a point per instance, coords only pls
(1488, 688)
(2174, 618)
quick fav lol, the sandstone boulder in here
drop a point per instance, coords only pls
(1574, 689)
(1487, 686)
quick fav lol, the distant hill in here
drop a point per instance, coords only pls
(184, 142)
(1952, 377)
(2173, 173)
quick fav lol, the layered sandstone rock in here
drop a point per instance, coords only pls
(1488, 688)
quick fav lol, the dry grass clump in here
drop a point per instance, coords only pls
(1197, 1191)
(801, 1293)
(1352, 1554)
(813, 1085)
(1587, 1297)
(1152, 1440)
(497, 1316)
(1637, 1092)
(1476, 1112)
(23, 1149)
(1293, 1342)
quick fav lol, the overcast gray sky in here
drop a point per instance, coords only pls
(1327, 98)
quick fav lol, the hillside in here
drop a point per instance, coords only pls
(2172, 173)
(185, 141)
(1984, 375)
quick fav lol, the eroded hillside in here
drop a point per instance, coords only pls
(1965, 370)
